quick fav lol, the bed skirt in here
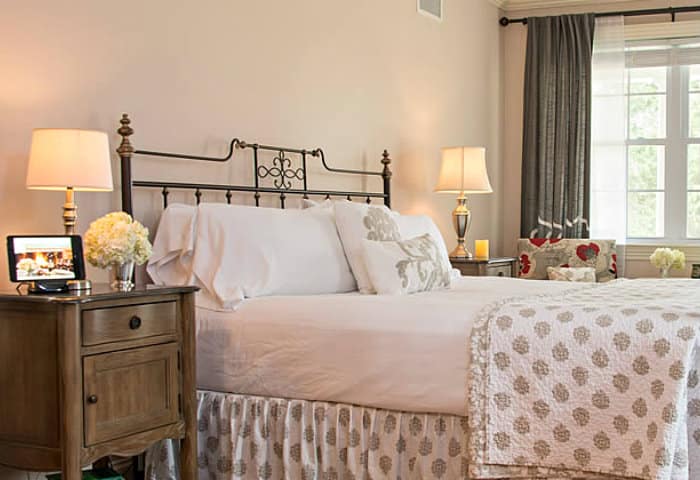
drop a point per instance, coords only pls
(243, 437)
(247, 437)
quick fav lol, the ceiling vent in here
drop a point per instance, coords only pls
(431, 8)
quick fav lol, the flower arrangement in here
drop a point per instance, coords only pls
(27, 265)
(116, 239)
(666, 259)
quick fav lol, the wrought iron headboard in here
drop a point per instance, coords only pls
(283, 174)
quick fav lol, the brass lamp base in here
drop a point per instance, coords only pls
(79, 285)
(462, 219)
(69, 213)
(461, 252)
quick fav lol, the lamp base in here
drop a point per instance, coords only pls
(462, 219)
(69, 213)
(79, 285)
(460, 251)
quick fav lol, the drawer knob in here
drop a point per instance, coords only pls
(134, 323)
(92, 399)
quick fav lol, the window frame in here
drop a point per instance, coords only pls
(689, 140)
(675, 142)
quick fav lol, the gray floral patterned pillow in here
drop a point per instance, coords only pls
(357, 222)
(406, 266)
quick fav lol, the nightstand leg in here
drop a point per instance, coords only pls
(188, 453)
(71, 391)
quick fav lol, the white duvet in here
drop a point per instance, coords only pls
(394, 352)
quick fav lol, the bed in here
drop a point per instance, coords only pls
(492, 378)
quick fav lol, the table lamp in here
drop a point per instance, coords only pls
(70, 160)
(463, 171)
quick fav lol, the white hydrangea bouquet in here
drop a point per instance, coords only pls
(118, 241)
(666, 259)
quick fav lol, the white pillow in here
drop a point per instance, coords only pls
(358, 221)
(412, 226)
(308, 203)
(244, 251)
(572, 274)
(171, 261)
(406, 266)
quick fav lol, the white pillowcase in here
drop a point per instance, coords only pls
(308, 203)
(242, 251)
(406, 266)
(412, 226)
(359, 221)
(173, 246)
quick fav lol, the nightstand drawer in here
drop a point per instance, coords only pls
(117, 324)
(485, 267)
(499, 271)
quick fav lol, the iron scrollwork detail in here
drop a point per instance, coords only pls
(281, 171)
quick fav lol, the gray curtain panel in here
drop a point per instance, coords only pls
(556, 127)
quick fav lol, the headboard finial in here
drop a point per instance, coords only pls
(125, 148)
(386, 161)
(125, 151)
(386, 177)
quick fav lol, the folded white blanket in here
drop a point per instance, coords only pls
(600, 380)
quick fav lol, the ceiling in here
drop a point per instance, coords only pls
(513, 5)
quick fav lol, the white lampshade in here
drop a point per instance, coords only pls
(463, 170)
(62, 158)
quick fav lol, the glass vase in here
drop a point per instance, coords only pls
(123, 276)
(665, 272)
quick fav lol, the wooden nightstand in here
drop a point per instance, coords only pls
(97, 374)
(486, 267)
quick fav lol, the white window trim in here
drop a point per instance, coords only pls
(637, 252)
(676, 159)
(662, 31)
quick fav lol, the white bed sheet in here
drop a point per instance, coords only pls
(393, 352)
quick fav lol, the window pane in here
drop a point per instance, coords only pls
(695, 77)
(694, 215)
(645, 214)
(693, 167)
(694, 112)
(647, 116)
(648, 80)
(646, 167)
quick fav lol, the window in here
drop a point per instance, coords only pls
(662, 92)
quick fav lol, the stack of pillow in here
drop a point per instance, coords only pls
(235, 252)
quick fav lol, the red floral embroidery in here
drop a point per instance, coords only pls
(613, 267)
(587, 252)
(538, 242)
(524, 264)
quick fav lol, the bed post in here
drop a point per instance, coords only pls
(125, 152)
(386, 176)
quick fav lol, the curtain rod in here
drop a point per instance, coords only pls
(505, 21)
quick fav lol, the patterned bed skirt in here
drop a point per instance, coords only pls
(244, 437)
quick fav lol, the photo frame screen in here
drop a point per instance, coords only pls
(45, 258)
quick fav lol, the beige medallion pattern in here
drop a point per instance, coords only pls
(246, 437)
(601, 379)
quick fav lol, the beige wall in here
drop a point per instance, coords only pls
(353, 77)
(513, 46)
